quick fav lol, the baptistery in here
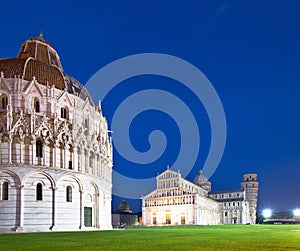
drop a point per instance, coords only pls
(55, 148)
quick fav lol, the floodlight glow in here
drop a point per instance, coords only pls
(297, 212)
(267, 213)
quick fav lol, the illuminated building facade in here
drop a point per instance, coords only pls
(177, 201)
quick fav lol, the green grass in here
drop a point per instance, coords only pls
(222, 237)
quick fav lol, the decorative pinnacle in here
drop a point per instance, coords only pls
(41, 34)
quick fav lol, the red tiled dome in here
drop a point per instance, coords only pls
(38, 59)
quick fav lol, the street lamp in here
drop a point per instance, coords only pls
(267, 213)
(297, 213)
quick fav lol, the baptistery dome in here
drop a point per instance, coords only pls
(38, 59)
(55, 151)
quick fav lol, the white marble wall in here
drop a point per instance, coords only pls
(23, 212)
(77, 152)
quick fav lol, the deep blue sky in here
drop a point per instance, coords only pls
(249, 50)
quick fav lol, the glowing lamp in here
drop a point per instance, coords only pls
(297, 212)
(267, 213)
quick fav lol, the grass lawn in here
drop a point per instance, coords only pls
(223, 237)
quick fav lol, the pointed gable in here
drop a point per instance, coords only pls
(64, 99)
(32, 88)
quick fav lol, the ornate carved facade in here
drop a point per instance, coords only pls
(177, 201)
(55, 152)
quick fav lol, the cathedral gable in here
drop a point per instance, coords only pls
(168, 174)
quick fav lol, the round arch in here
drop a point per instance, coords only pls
(71, 177)
(49, 177)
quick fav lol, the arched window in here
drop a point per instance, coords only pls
(64, 113)
(39, 149)
(4, 101)
(5, 190)
(36, 105)
(69, 194)
(39, 191)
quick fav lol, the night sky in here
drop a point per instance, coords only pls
(249, 50)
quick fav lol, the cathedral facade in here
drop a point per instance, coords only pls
(177, 201)
(55, 151)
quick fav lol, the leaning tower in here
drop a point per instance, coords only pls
(250, 185)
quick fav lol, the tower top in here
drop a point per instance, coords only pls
(250, 177)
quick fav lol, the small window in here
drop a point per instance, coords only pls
(168, 218)
(182, 220)
(70, 164)
(226, 214)
(154, 220)
(36, 105)
(5, 190)
(4, 102)
(91, 161)
(69, 194)
(39, 191)
(39, 149)
(86, 123)
(64, 113)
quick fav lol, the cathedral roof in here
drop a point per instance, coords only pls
(200, 178)
(202, 181)
(124, 206)
(37, 58)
